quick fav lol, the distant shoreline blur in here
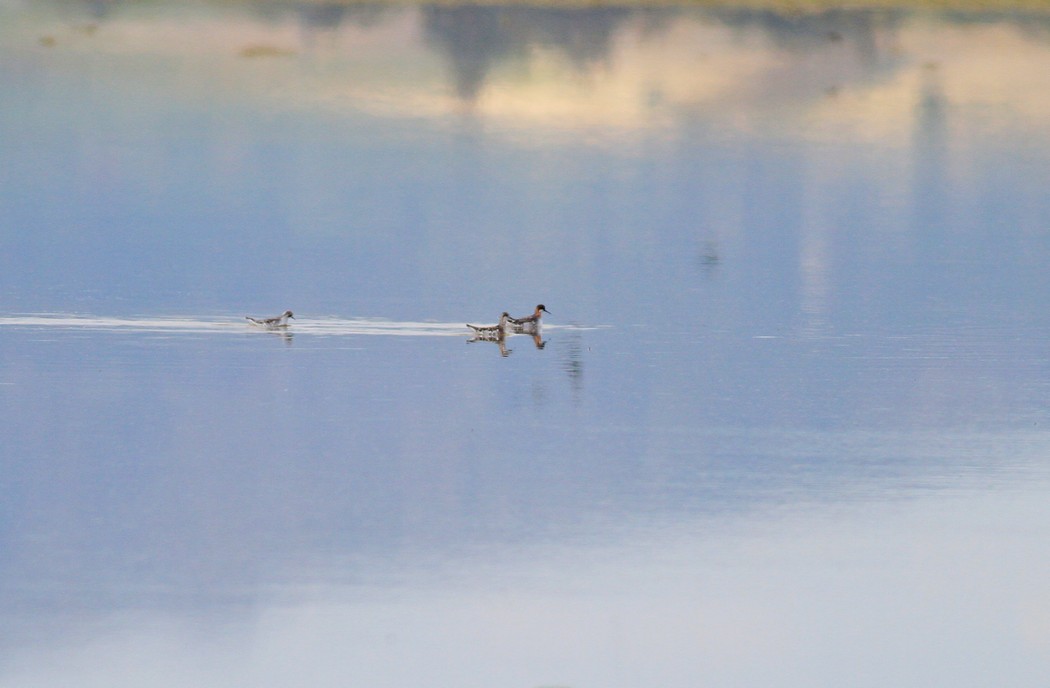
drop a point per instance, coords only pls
(781, 6)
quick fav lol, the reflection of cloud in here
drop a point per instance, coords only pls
(603, 71)
(976, 66)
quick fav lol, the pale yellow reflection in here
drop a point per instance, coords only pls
(644, 82)
(745, 76)
(964, 66)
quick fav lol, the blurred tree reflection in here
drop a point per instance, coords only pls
(476, 38)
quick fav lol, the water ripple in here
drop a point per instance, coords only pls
(301, 326)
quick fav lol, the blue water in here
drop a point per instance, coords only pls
(786, 423)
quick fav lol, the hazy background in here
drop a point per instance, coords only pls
(788, 425)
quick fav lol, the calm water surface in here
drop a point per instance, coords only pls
(788, 423)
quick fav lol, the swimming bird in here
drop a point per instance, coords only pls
(492, 330)
(280, 321)
(529, 320)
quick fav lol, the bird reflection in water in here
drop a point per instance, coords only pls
(283, 332)
(492, 333)
(500, 339)
(529, 325)
(506, 326)
(285, 335)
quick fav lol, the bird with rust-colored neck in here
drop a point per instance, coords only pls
(530, 320)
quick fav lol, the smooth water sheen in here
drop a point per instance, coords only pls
(787, 424)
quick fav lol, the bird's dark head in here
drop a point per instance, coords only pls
(287, 314)
(543, 308)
